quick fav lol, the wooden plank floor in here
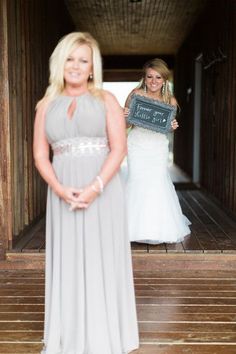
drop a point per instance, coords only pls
(178, 312)
(213, 231)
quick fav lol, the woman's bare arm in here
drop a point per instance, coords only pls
(174, 123)
(116, 133)
(41, 157)
(126, 108)
(117, 137)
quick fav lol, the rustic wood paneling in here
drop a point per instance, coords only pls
(183, 137)
(214, 39)
(5, 167)
(29, 32)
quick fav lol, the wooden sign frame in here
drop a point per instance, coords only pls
(151, 114)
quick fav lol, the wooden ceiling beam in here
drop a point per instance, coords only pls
(132, 62)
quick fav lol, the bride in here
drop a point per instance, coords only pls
(154, 212)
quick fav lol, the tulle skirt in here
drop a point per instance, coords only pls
(154, 212)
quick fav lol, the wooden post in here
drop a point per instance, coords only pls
(5, 164)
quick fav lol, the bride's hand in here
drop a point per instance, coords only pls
(126, 112)
(174, 124)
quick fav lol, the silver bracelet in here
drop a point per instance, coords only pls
(100, 182)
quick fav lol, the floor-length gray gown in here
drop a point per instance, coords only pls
(90, 306)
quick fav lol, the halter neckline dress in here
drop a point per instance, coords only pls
(89, 301)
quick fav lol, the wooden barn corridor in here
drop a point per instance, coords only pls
(179, 311)
(213, 231)
(185, 292)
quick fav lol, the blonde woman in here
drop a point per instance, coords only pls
(90, 305)
(154, 212)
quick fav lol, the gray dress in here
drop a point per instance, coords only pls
(89, 302)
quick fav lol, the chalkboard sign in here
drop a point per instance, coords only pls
(151, 114)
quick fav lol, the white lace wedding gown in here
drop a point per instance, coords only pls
(154, 212)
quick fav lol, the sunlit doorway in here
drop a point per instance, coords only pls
(120, 89)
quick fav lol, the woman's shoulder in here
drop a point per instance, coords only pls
(101, 94)
(138, 91)
(43, 104)
(173, 101)
(108, 97)
(107, 94)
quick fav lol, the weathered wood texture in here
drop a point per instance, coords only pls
(128, 67)
(5, 173)
(32, 32)
(212, 230)
(136, 27)
(218, 125)
(178, 311)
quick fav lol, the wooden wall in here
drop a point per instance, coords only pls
(32, 28)
(128, 67)
(5, 172)
(214, 34)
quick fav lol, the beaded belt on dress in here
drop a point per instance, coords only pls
(81, 146)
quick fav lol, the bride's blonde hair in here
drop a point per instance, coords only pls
(58, 59)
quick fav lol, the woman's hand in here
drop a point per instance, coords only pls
(174, 124)
(85, 198)
(126, 112)
(69, 194)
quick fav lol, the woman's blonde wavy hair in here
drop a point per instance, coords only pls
(161, 67)
(58, 59)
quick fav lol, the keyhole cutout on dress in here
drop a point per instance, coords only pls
(71, 109)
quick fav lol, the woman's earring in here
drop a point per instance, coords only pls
(163, 89)
(145, 88)
(91, 76)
